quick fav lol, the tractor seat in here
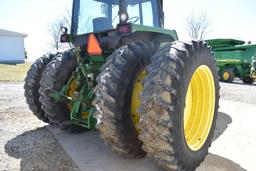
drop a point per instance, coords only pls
(101, 24)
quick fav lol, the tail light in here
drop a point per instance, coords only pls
(124, 29)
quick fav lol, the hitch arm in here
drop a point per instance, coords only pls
(57, 96)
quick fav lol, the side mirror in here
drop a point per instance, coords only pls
(64, 30)
(65, 37)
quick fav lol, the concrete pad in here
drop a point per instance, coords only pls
(238, 141)
(233, 148)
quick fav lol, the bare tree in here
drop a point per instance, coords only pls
(198, 26)
(54, 29)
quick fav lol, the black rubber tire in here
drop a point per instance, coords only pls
(163, 103)
(248, 80)
(32, 85)
(55, 76)
(113, 97)
(231, 75)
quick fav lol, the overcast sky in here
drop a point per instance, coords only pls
(229, 18)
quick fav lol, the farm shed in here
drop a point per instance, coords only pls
(12, 49)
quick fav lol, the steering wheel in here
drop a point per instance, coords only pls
(135, 18)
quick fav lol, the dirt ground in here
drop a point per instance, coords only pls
(26, 143)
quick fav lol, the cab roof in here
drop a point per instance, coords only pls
(116, 2)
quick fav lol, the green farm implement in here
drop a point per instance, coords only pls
(128, 77)
(235, 59)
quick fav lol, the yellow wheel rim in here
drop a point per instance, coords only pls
(200, 106)
(71, 90)
(226, 76)
(135, 104)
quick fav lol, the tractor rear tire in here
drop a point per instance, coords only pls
(32, 85)
(55, 76)
(164, 104)
(228, 75)
(248, 80)
(114, 94)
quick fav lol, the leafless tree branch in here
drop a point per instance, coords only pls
(198, 26)
(54, 29)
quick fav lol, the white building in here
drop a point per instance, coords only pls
(12, 47)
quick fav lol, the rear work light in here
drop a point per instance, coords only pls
(123, 29)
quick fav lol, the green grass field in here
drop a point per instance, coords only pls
(13, 72)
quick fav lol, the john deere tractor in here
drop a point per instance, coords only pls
(130, 78)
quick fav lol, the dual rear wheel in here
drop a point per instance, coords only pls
(53, 72)
(162, 103)
(32, 85)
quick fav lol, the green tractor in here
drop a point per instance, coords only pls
(130, 78)
(235, 59)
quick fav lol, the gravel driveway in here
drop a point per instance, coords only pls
(26, 144)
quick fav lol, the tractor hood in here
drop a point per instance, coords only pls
(123, 34)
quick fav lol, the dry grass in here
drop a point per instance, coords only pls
(13, 72)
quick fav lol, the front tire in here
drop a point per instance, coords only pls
(179, 105)
(115, 120)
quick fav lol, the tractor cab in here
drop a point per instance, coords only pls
(102, 15)
(117, 22)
